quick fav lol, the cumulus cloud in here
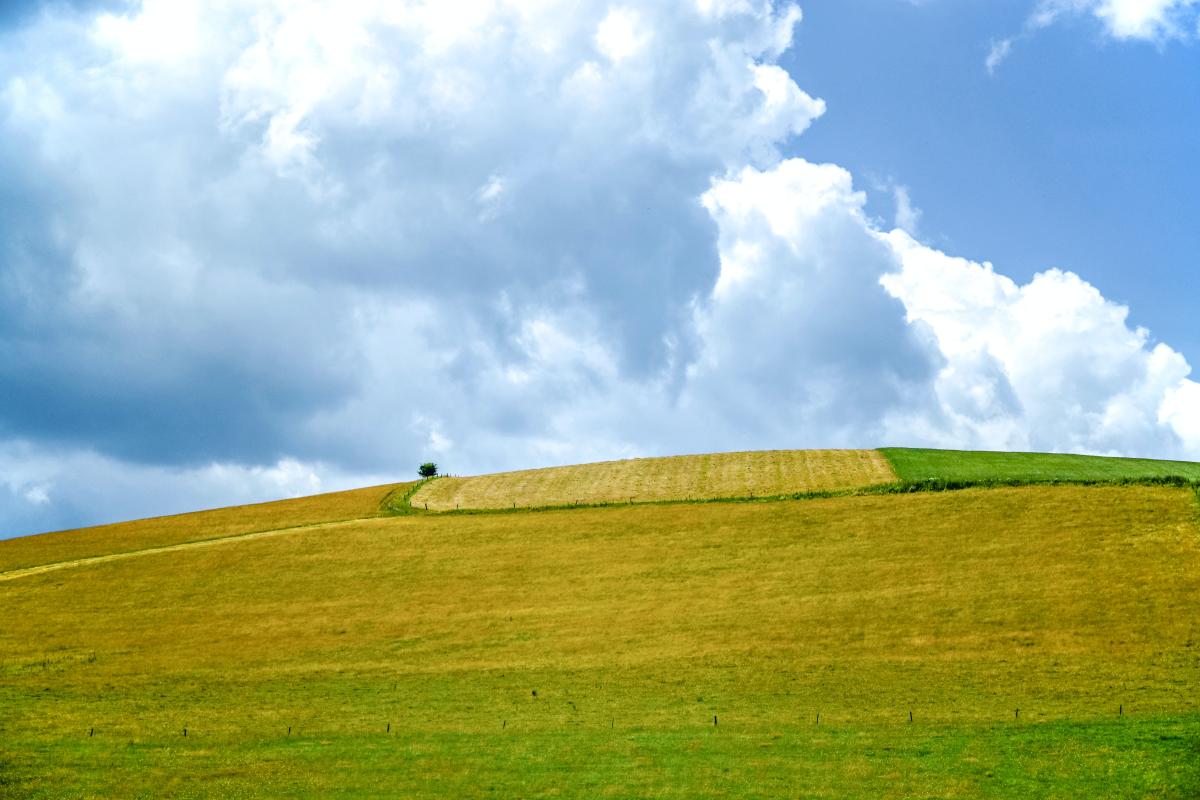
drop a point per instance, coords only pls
(254, 249)
(1178, 411)
(256, 169)
(1051, 365)
(212, 215)
(799, 339)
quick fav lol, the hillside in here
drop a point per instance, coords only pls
(766, 473)
(782, 474)
(198, 526)
(1042, 637)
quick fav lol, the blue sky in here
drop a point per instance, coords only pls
(254, 249)
(1079, 151)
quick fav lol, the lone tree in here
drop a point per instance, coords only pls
(427, 470)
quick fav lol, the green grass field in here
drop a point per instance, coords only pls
(585, 652)
(970, 466)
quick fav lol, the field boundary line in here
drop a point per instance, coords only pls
(394, 506)
(930, 486)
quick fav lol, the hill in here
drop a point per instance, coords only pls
(782, 474)
(1042, 637)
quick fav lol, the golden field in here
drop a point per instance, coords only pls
(764, 473)
(197, 526)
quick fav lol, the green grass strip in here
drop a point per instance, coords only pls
(398, 504)
(915, 465)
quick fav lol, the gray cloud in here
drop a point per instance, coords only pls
(202, 215)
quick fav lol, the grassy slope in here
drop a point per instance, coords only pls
(635, 626)
(759, 473)
(912, 464)
(140, 534)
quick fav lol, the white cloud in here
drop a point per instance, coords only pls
(47, 487)
(164, 33)
(1145, 19)
(622, 34)
(1125, 19)
(797, 326)
(997, 53)
(1180, 410)
(908, 216)
(1050, 365)
(797, 323)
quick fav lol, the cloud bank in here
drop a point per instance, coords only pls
(253, 249)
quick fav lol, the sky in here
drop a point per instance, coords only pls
(253, 249)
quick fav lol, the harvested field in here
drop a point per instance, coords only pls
(763, 473)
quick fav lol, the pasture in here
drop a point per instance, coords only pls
(1043, 638)
(972, 466)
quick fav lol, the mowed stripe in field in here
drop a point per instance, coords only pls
(158, 532)
(172, 548)
(764, 473)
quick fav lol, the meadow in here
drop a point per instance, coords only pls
(970, 466)
(1043, 639)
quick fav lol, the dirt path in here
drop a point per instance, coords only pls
(82, 562)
